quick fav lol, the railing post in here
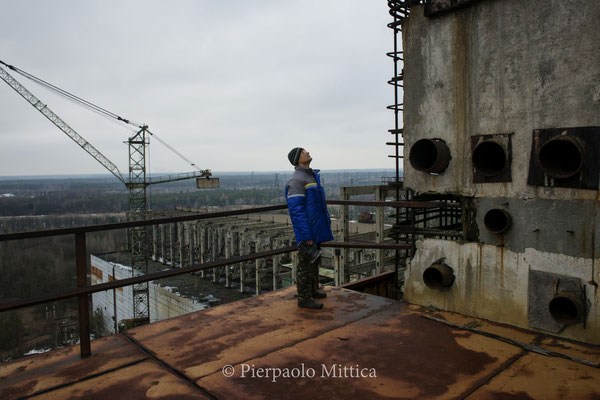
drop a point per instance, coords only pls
(82, 282)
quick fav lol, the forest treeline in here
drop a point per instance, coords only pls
(80, 201)
(37, 267)
(105, 195)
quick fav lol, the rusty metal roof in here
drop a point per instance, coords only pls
(357, 346)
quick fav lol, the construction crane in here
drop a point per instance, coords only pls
(137, 181)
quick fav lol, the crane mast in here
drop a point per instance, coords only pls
(136, 183)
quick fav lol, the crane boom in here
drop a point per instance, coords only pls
(179, 177)
(60, 124)
(137, 182)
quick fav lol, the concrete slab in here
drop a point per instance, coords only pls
(32, 374)
(200, 344)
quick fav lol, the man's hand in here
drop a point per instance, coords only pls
(309, 242)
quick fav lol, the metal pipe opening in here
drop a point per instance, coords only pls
(429, 155)
(561, 157)
(438, 276)
(497, 220)
(489, 158)
(566, 308)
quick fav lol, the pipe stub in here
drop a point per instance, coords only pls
(566, 308)
(438, 276)
(429, 155)
(489, 158)
(561, 157)
(497, 220)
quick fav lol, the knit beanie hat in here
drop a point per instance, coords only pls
(294, 155)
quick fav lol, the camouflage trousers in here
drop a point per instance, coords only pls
(307, 276)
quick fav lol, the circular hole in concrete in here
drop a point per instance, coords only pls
(489, 158)
(561, 157)
(497, 220)
(429, 155)
(564, 310)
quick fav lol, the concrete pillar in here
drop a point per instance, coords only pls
(219, 241)
(154, 242)
(191, 235)
(233, 249)
(227, 267)
(276, 269)
(202, 249)
(163, 240)
(214, 249)
(258, 264)
(337, 278)
(172, 243)
(181, 239)
(243, 249)
(345, 222)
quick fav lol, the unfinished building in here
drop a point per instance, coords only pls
(183, 244)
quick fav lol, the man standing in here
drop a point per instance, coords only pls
(312, 225)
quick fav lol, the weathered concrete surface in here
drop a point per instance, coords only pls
(499, 67)
(398, 350)
(551, 226)
(492, 282)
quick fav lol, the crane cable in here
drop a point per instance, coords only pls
(68, 95)
(94, 107)
(173, 150)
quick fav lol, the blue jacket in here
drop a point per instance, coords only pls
(306, 203)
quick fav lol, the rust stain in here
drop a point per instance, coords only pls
(414, 358)
(65, 365)
(507, 396)
(576, 349)
(542, 377)
(16, 391)
(205, 341)
(144, 380)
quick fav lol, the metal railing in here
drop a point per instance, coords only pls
(83, 290)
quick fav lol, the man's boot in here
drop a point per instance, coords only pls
(316, 293)
(310, 303)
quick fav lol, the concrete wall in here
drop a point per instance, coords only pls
(492, 282)
(506, 67)
(164, 303)
(554, 226)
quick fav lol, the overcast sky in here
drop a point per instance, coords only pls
(233, 85)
